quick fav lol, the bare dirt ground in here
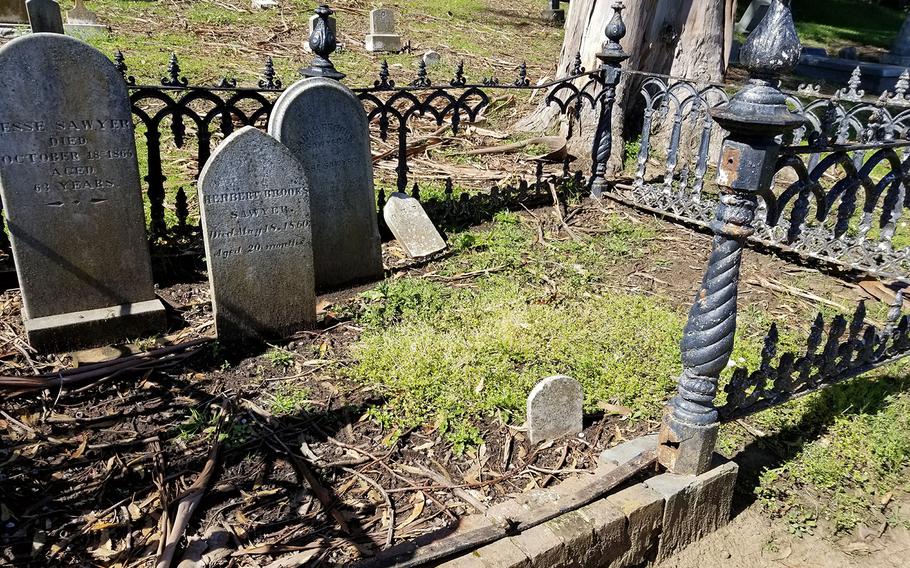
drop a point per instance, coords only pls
(751, 540)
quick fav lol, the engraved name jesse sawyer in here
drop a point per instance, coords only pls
(266, 229)
(61, 151)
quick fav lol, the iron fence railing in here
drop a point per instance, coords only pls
(839, 195)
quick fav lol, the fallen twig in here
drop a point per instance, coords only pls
(189, 500)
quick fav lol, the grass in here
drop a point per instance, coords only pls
(854, 454)
(836, 23)
(450, 357)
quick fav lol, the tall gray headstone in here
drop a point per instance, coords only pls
(411, 226)
(325, 126)
(255, 207)
(44, 16)
(555, 408)
(382, 36)
(13, 12)
(70, 186)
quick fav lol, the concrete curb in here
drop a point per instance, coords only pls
(637, 526)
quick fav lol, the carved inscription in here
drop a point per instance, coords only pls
(251, 216)
(65, 153)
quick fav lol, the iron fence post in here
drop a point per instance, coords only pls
(323, 44)
(754, 118)
(611, 58)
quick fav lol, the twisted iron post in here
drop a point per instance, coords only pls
(754, 118)
(611, 58)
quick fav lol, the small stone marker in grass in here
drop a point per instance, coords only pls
(555, 408)
(324, 125)
(382, 36)
(70, 186)
(411, 226)
(255, 206)
(44, 16)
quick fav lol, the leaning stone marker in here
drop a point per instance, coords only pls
(555, 408)
(412, 228)
(325, 126)
(44, 16)
(255, 208)
(70, 186)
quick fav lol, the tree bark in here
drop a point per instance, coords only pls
(683, 38)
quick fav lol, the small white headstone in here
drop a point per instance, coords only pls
(555, 408)
(264, 4)
(432, 58)
(413, 230)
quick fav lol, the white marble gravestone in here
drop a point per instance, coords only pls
(70, 186)
(324, 125)
(555, 408)
(411, 226)
(382, 36)
(255, 206)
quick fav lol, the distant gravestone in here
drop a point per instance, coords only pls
(382, 36)
(555, 408)
(44, 16)
(13, 12)
(431, 58)
(70, 187)
(413, 230)
(752, 16)
(325, 126)
(900, 49)
(82, 23)
(255, 207)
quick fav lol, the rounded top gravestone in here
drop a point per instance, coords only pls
(70, 184)
(255, 208)
(324, 125)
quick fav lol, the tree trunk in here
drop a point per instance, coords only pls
(683, 38)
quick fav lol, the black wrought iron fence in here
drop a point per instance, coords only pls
(178, 115)
(839, 194)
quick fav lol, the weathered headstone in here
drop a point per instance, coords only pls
(82, 23)
(752, 16)
(555, 408)
(70, 187)
(411, 226)
(44, 16)
(325, 126)
(431, 58)
(13, 12)
(255, 207)
(382, 36)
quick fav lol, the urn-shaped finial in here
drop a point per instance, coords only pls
(773, 48)
(323, 44)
